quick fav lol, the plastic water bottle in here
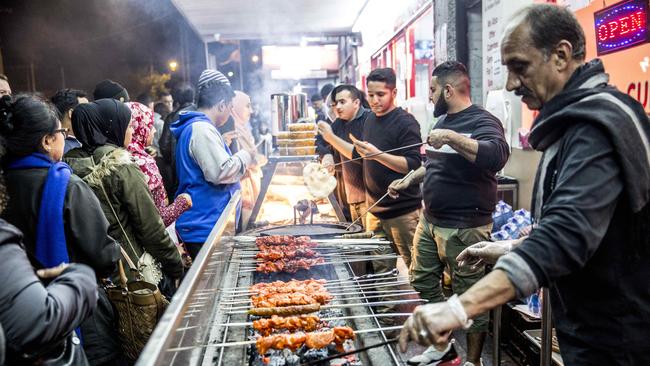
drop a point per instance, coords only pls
(533, 304)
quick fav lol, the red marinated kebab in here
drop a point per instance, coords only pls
(312, 340)
(274, 253)
(305, 323)
(287, 299)
(288, 266)
(284, 240)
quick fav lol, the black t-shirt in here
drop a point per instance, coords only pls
(458, 193)
(395, 129)
(353, 171)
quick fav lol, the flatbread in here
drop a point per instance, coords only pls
(320, 183)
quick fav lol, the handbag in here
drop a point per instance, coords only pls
(148, 267)
(139, 306)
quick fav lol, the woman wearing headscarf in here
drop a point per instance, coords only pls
(143, 131)
(250, 183)
(64, 221)
(104, 129)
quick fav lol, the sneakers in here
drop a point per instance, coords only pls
(433, 357)
(472, 364)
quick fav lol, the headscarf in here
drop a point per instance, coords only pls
(239, 103)
(101, 122)
(142, 121)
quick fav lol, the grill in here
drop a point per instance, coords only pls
(207, 321)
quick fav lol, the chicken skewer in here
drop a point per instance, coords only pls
(332, 295)
(345, 292)
(359, 279)
(247, 343)
(366, 288)
(303, 299)
(377, 315)
(312, 308)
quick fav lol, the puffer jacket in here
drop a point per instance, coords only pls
(36, 317)
(114, 178)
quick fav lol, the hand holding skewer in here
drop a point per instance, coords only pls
(364, 148)
(432, 324)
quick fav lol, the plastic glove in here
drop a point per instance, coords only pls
(432, 324)
(484, 251)
(398, 185)
(328, 163)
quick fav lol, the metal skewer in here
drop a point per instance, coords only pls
(367, 258)
(379, 153)
(364, 278)
(247, 343)
(334, 306)
(341, 259)
(378, 315)
(335, 288)
(377, 202)
(372, 296)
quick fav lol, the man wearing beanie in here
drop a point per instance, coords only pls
(206, 168)
(112, 90)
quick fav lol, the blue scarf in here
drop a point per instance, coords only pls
(51, 248)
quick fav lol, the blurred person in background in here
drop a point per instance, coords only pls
(65, 100)
(183, 97)
(250, 183)
(160, 112)
(167, 99)
(5, 88)
(110, 89)
(64, 222)
(319, 108)
(146, 99)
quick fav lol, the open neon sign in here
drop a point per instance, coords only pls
(621, 26)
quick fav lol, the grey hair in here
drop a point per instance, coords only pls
(549, 24)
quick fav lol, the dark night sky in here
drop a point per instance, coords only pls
(92, 40)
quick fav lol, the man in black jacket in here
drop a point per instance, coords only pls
(591, 243)
(184, 99)
(468, 148)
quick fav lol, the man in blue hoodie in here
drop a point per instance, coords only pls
(206, 168)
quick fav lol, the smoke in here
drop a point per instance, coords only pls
(80, 43)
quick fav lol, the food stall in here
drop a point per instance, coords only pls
(218, 315)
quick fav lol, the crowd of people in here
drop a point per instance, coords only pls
(89, 184)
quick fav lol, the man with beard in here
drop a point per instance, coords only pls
(591, 242)
(468, 148)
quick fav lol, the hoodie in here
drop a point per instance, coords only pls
(207, 171)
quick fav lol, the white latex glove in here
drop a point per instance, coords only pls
(328, 163)
(484, 251)
(432, 324)
(398, 185)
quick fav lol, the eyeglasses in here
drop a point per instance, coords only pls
(63, 131)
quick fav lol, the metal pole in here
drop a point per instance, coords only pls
(241, 68)
(62, 76)
(496, 336)
(32, 75)
(547, 329)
